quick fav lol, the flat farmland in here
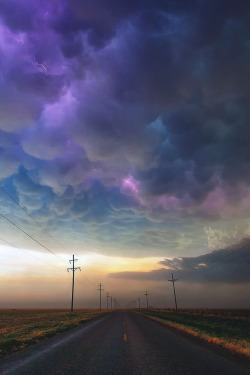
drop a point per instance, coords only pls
(227, 328)
(20, 328)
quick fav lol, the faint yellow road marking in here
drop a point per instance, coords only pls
(124, 337)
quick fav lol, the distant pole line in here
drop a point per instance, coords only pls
(116, 303)
(100, 295)
(107, 296)
(73, 269)
(111, 302)
(139, 303)
(173, 281)
(146, 294)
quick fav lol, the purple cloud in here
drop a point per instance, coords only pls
(146, 101)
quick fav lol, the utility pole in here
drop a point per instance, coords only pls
(139, 303)
(116, 304)
(146, 294)
(73, 269)
(100, 291)
(173, 281)
(107, 296)
(111, 301)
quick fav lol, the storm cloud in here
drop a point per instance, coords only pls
(230, 265)
(126, 124)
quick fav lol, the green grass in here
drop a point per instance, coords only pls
(227, 328)
(20, 328)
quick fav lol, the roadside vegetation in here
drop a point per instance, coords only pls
(20, 328)
(227, 328)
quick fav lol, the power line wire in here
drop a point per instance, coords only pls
(23, 209)
(88, 281)
(31, 255)
(94, 284)
(26, 212)
(27, 234)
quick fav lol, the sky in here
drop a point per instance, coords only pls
(124, 139)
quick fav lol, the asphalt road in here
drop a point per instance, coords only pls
(120, 343)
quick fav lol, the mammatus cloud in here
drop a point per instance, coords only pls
(230, 265)
(126, 125)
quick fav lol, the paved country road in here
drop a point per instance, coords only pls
(119, 343)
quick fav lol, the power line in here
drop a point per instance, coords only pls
(31, 255)
(90, 281)
(83, 283)
(23, 209)
(27, 234)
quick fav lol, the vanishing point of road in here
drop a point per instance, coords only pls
(121, 343)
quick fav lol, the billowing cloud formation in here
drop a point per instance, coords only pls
(126, 123)
(230, 265)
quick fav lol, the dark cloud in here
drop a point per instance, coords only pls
(18, 15)
(230, 265)
(153, 93)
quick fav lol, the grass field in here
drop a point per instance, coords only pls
(20, 328)
(227, 328)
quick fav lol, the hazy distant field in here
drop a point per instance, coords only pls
(228, 328)
(20, 328)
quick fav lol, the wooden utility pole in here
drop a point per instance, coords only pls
(111, 302)
(107, 296)
(146, 294)
(173, 281)
(139, 303)
(73, 269)
(100, 298)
